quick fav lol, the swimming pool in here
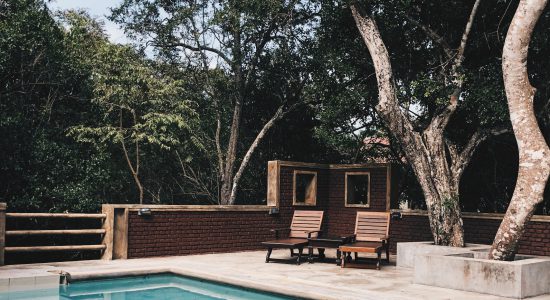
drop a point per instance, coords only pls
(155, 287)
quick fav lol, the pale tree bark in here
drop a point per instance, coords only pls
(279, 114)
(426, 150)
(134, 170)
(240, 87)
(242, 81)
(534, 154)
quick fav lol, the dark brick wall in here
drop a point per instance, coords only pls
(189, 232)
(286, 192)
(338, 219)
(412, 228)
(341, 219)
(168, 233)
(194, 232)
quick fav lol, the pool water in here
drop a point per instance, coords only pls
(154, 287)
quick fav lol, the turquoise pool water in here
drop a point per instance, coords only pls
(154, 287)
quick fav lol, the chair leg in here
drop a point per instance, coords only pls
(379, 253)
(355, 254)
(291, 252)
(300, 250)
(310, 254)
(338, 257)
(268, 254)
(321, 253)
(343, 259)
(388, 254)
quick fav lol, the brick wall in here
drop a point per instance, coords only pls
(415, 228)
(183, 232)
(338, 219)
(168, 233)
(341, 219)
(190, 232)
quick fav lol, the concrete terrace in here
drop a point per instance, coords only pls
(320, 280)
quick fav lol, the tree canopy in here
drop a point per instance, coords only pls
(208, 92)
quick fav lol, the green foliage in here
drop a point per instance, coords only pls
(137, 103)
(41, 94)
(69, 97)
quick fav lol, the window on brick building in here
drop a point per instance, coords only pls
(357, 189)
(305, 188)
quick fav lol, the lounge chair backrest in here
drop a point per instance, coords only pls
(372, 226)
(305, 221)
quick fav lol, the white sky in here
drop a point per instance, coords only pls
(98, 9)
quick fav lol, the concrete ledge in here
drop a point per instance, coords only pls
(470, 215)
(284, 163)
(468, 269)
(136, 207)
(25, 282)
(518, 279)
(407, 252)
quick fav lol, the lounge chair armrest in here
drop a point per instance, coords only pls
(312, 231)
(276, 230)
(385, 239)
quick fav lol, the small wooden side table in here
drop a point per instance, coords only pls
(365, 247)
(321, 243)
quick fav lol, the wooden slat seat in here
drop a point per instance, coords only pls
(290, 242)
(367, 247)
(305, 224)
(371, 236)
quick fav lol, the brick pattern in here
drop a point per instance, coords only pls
(409, 229)
(193, 232)
(535, 241)
(341, 219)
(338, 219)
(190, 232)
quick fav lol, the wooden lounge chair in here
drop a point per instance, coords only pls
(371, 236)
(305, 224)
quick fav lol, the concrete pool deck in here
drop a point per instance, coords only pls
(320, 280)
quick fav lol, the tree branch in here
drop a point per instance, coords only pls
(196, 49)
(388, 107)
(460, 163)
(278, 115)
(266, 37)
(440, 121)
(434, 36)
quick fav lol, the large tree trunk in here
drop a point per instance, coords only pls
(534, 154)
(231, 157)
(426, 151)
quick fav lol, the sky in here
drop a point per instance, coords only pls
(98, 9)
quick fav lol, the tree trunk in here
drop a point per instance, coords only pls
(534, 154)
(425, 151)
(237, 66)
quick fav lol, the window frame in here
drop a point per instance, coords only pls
(346, 189)
(314, 182)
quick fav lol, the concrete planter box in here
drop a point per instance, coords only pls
(406, 252)
(468, 269)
